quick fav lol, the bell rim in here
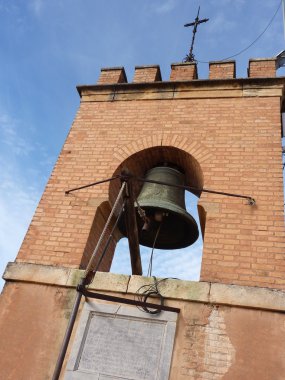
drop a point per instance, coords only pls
(188, 219)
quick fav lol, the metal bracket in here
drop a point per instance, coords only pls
(105, 297)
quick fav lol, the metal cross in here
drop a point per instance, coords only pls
(190, 57)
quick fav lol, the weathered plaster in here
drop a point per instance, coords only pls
(33, 320)
(258, 339)
(224, 332)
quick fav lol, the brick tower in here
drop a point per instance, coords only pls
(225, 134)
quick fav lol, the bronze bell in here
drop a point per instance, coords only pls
(163, 207)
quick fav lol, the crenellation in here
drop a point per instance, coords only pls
(222, 69)
(150, 73)
(183, 71)
(111, 75)
(257, 68)
(262, 68)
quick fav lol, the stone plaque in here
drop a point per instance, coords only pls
(121, 343)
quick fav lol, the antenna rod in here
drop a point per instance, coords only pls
(283, 6)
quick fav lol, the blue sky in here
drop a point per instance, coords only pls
(48, 47)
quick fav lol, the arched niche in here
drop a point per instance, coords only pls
(140, 162)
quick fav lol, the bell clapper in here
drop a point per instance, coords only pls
(159, 216)
(147, 224)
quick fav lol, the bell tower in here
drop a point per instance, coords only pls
(221, 139)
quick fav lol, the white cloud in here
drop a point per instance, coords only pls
(220, 24)
(163, 6)
(37, 6)
(10, 137)
(237, 4)
(17, 205)
(18, 197)
(184, 264)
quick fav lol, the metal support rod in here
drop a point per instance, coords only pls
(92, 184)
(67, 335)
(127, 301)
(93, 271)
(89, 266)
(84, 280)
(190, 188)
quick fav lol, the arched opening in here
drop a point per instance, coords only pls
(182, 263)
(100, 219)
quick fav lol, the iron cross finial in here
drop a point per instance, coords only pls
(190, 57)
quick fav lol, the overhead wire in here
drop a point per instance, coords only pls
(252, 43)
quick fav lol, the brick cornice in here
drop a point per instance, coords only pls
(198, 83)
(214, 88)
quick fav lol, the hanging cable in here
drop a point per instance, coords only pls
(149, 272)
(151, 290)
(252, 43)
(145, 291)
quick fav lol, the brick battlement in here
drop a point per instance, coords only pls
(257, 68)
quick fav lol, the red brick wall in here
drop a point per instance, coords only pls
(147, 74)
(222, 70)
(262, 68)
(183, 71)
(232, 137)
(112, 75)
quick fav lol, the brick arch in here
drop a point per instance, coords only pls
(141, 155)
(196, 149)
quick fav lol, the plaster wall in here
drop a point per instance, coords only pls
(215, 338)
